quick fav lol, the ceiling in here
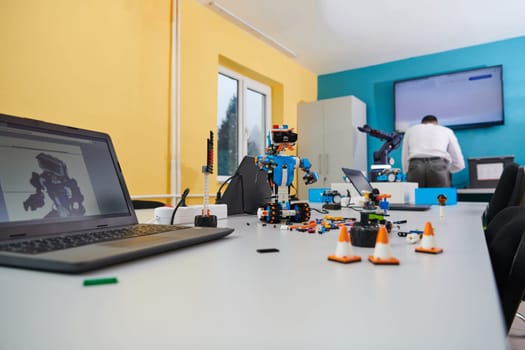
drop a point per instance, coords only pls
(334, 35)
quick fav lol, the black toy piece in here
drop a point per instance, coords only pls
(206, 220)
(364, 232)
(364, 235)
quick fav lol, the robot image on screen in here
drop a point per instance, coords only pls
(280, 169)
(62, 190)
(49, 179)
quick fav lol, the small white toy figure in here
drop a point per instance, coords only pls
(442, 200)
(281, 170)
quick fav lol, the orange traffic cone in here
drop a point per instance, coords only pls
(428, 242)
(382, 253)
(343, 251)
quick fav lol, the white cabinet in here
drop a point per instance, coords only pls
(329, 138)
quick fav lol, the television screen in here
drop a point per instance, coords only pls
(461, 99)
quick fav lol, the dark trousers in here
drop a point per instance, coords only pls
(429, 172)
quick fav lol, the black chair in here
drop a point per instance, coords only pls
(518, 193)
(248, 189)
(507, 254)
(508, 192)
(501, 219)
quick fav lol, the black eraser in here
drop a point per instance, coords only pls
(268, 250)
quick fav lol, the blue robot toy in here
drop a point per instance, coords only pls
(280, 170)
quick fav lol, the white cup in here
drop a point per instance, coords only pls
(162, 215)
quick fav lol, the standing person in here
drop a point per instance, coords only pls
(431, 153)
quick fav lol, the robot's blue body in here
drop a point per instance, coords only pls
(281, 170)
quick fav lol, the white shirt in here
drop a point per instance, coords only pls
(432, 140)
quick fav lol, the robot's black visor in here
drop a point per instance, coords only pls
(284, 136)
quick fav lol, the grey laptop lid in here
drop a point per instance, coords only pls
(362, 185)
(357, 179)
(57, 180)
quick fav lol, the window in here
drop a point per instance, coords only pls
(243, 118)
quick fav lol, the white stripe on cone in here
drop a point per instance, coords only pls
(428, 241)
(343, 249)
(382, 251)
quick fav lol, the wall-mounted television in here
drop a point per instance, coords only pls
(468, 98)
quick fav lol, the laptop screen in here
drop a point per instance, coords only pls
(53, 174)
(357, 179)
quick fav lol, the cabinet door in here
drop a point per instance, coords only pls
(359, 144)
(338, 138)
(329, 138)
(310, 143)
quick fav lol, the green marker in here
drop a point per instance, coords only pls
(99, 281)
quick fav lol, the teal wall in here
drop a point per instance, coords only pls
(374, 86)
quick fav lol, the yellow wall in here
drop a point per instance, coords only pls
(97, 64)
(208, 39)
(105, 65)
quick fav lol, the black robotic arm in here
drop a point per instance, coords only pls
(393, 141)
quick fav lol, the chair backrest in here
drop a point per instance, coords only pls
(516, 197)
(505, 191)
(502, 218)
(507, 254)
(247, 190)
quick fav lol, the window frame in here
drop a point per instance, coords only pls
(245, 84)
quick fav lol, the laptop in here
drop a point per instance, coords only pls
(361, 184)
(64, 205)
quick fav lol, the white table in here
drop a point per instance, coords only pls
(225, 295)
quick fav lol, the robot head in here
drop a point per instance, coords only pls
(54, 165)
(283, 134)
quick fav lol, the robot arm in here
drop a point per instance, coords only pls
(35, 200)
(393, 141)
(381, 156)
(309, 177)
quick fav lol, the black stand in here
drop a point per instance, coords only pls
(206, 221)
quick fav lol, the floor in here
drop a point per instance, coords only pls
(517, 332)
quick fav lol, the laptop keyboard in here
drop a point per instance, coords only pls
(43, 245)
